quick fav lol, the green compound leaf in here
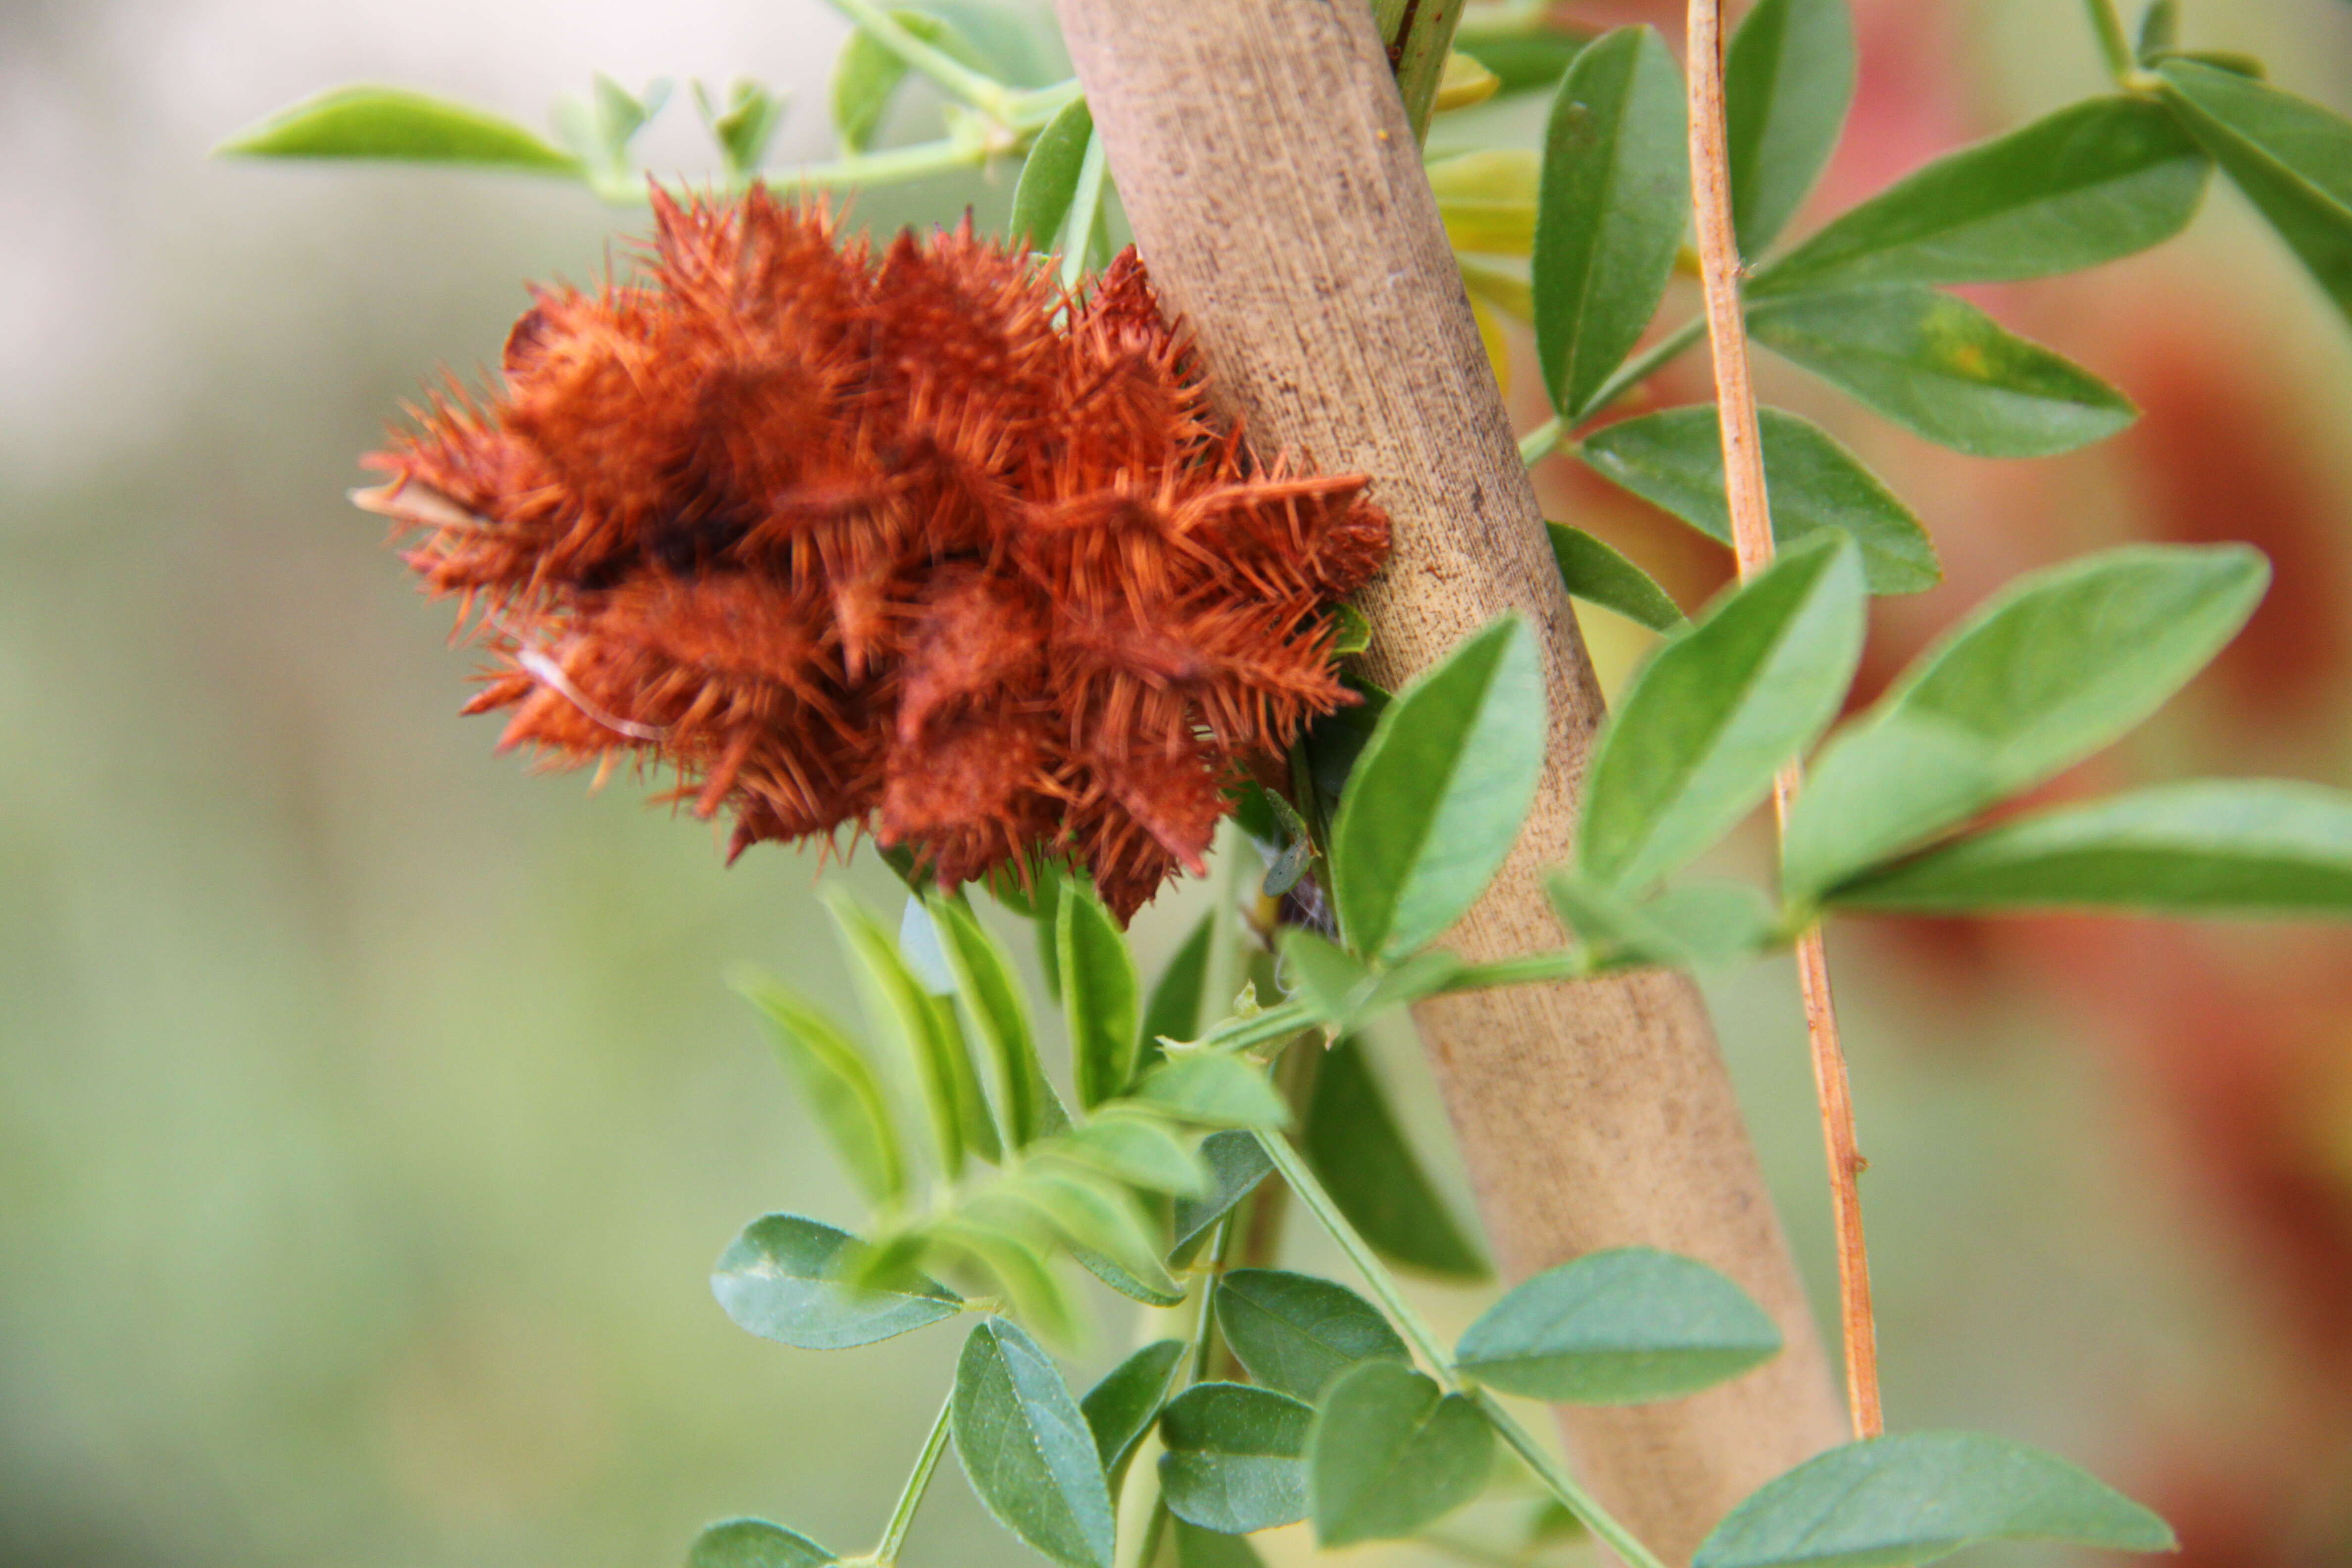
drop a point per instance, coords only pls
(2250, 847)
(1211, 1090)
(1235, 1458)
(1121, 1408)
(1390, 1452)
(1295, 1332)
(2052, 669)
(1615, 200)
(1674, 460)
(1694, 743)
(1941, 368)
(1026, 1448)
(1787, 82)
(1436, 799)
(1594, 572)
(395, 125)
(754, 1543)
(986, 984)
(1352, 1141)
(959, 1112)
(1236, 1165)
(840, 1085)
(1049, 176)
(866, 72)
(1916, 1497)
(1100, 994)
(2096, 181)
(787, 1279)
(1620, 1327)
(2291, 157)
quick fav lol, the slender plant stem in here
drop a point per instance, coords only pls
(1540, 442)
(1572, 1496)
(2115, 44)
(902, 1518)
(982, 91)
(1751, 535)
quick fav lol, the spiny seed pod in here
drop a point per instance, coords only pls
(913, 543)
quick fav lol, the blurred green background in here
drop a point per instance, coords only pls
(370, 1112)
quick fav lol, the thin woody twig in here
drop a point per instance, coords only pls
(1751, 535)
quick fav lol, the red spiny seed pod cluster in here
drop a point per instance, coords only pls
(910, 542)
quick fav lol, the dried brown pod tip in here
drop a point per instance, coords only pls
(910, 542)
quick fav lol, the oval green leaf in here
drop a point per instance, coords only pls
(867, 71)
(1621, 1327)
(1912, 1498)
(2096, 181)
(1235, 1457)
(1594, 572)
(2240, 848)
(1435, 802)
(1100, 994)
(1694, 743)
(991, 993)
(1121, 1408)
(754, 1543)
(1211, 1090)
(395, 125)
(1942, 368)
(787, 1279)
(1295, 1332)
(1390, 1452)
(840, 1085)
(1049, 176)
(1610, 212)
(1140, 1149)
(1787, 82)
(1674, 460)
(2048, 671)
(1352, 1141)
(1026, 1448)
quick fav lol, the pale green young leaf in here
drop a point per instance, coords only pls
(1693, 744)
(1674, 459)
(1100, 994)
(2049, 670)
(1389, 1452)
(1295, 1332)
(1101, 1218)
(1614, 202)
(1787, 82)
(867, 72)
(742, 126)
(1235, 1457)
(1912, 1498)
(1435, 802)
(1140, 1149)
(2096, 181)
(788, 1278)
(1236, 1164)
(1121, 1408)
(1011, 1254)
(2292, 158)
(1049, 177)
(754, 1543)
(1594, 572)
(2256, 847)
(1941, 368)
(1211, 1090)
(839, 1084)
(1696, 925)
(957, 1111)
(1026, 1448)
(988, 989)
(1620, 1327)
(1352, 1141)
(395, 125)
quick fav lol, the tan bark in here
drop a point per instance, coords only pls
(1260, 150)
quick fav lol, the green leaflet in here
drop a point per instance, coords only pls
(1211, 1090)
(1011, 1250)
(1436, 799)
(1389, 1452)
(395, 125)
(785, 1278)
(988, 990)
(1139, 1150)
(1694, 742)
(2291, 157)
(1693, 925)
(1235, 1460)
(754, 1543)
(1594, 572)
(866, 72)
(1940, 367)
(1522, 61)
(1173, 1010)
(1620, 1327)
(1027, 1450)
(1295, 1332)
(1611, 210)
(1345, 995)
(1674, 459)
(742, 126)
(1049, 177)
(959, 1113)
(1100, 994)
(1236, 1165)
(1121, 1408)
(1198, 1548)
(1914, 1498)
(2049, 670)
(1353, 1143)
(840, 1085)
(2096, 181)
(1787, 82)
(2259, 847)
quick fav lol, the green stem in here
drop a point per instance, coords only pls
(1532, 968)
(1542, 441)
(1085, 206)
(2115, 44)
(982, 91)
(1259, 1028)
(902, 1518)
(1383, 1284)
(1644, 365)
(919, 161)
